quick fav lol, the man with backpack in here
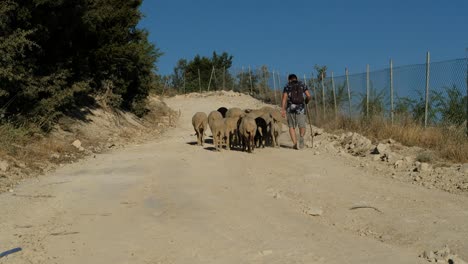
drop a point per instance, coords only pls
(293, 106)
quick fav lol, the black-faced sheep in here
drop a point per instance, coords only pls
(261, 132)
(223, 111)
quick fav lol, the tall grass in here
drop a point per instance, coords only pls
(449, 142)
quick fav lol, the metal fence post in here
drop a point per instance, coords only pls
(392, 106)
(349, 91)
(323, 97)
(185, 81)
(334, 94)
(241, 79)
(315, 96)
(199, 80)
(274, 88)
(466, 119)
(367, 91)
(251, 84)
(224, 78)
(428, 61)
(279, 89)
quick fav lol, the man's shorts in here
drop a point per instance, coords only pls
(296, 120)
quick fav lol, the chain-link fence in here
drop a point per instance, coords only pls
(430, 93)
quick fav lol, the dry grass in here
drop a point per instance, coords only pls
(450, 144)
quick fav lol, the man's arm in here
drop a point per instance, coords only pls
(284, 102)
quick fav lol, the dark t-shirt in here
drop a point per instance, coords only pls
(295, 108)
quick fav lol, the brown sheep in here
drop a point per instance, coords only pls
(255, 113)
(200, 124)
(235, 112)
(218, 129)
(230, 125)
(275, 133)
(213, 116)
(267, 109)
(247, 130)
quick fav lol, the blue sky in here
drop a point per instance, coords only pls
(293, 36)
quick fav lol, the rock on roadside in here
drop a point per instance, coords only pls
(4, 166)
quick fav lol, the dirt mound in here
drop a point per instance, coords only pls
(72, 139)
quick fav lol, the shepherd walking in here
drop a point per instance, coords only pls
(293, 107)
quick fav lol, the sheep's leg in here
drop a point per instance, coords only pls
(200, 136)
(228, 146)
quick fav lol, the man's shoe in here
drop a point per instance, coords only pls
(295, 146)
(301, 142)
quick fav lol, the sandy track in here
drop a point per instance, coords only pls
(169, 201)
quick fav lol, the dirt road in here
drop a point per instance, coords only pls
(169, 201)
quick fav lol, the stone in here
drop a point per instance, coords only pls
(318, 131)
(4, 165)
(20, 164)
(464, 168)
(376, 158)
(314, 211)
(316, 153)
(10, 190)
(380, 149)
(409, 159)
(398, 164)
(423, 167)
(77, 144)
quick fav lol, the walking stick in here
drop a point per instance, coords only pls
(310, 124)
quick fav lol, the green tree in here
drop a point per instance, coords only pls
(204, 66)
(55, 56)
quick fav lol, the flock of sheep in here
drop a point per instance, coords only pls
(237, 128)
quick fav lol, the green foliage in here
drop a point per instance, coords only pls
(376, 102)
(452, 107)
(198, 72)
(56, 55)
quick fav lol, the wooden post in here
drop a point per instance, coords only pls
(224, 78)
(199, 80)
(392, 106)
(323, 97)
(211, 77)
(334, 95)
(367, 90)
(215, 79)
(428, 65)
(185, 81)
(251, 83)
(349, 91)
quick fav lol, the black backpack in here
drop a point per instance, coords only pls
(297, 93)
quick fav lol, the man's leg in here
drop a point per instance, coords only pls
(292, 133)
(292, 123)
(302, 129)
